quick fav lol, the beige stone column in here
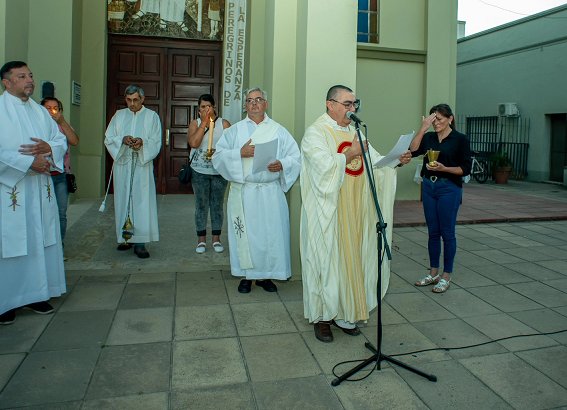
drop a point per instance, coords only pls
(325, 56)
(308, 46)
(441, 46)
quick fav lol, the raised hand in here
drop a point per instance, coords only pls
(247, 150)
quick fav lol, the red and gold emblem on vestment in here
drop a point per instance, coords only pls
(356, 166)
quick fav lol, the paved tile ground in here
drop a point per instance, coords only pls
(172, 332)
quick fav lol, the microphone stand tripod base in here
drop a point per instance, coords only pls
(379, 357)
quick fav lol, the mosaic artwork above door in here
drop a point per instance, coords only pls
(187, 19)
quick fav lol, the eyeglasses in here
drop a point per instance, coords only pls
(348, 104)
(257, 100)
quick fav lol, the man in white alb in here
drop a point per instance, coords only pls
(133, 138)
(31, 146)
(338, 220)
(257, 210)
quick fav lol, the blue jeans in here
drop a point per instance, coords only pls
(209, 195)
(441, 201)
(62, 198)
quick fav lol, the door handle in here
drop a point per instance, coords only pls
(167, 137)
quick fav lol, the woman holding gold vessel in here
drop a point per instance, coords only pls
(209, 187)
(447, 159)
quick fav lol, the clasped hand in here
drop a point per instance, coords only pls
(40, 147)
(275, 166)
(41, 150)
(133, 142)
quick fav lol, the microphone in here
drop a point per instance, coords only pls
(352, 116)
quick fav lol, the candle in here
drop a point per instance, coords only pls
(211, 130)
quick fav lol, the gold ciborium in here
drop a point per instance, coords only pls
(432, 156)
(209, 154)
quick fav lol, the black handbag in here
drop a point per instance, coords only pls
(184, 175)
(71, 183)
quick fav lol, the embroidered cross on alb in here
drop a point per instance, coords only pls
(14, 198)
(238, 226)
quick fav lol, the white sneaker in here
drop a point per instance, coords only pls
(217, 246)
(201, 247)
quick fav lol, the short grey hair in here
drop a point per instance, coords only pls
(251, 90)
(133, 89)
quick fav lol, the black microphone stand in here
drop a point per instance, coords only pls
(377, 357)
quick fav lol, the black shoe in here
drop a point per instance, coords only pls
(323, 332)
(245, 286)
(141, 251)
(267, 284)
(124, 246)
(351, 332)
(43, 308)
(8, 317)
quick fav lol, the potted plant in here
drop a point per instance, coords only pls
(501, 167)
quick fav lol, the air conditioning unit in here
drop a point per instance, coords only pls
(508, 110)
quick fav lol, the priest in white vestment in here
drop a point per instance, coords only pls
(257, 209)
(31, 255)
(338, 220)
(133, 139)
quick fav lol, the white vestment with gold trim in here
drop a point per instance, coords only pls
(338, 225)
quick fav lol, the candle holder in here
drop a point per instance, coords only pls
(209, 154)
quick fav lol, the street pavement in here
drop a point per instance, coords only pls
(172, 332)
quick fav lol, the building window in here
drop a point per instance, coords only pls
(367, 27)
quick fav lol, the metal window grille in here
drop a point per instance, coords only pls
(489, 135)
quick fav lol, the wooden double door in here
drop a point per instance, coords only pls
(173, 75)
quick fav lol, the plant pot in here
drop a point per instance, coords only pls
(501, 175)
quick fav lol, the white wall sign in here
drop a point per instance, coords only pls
(233, 68)
(76, 94)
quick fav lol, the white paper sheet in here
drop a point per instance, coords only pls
(391, 159)
(264, 154)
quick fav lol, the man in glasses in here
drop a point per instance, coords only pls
(258, 233)
(338, 220)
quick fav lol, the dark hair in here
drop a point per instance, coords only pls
(334, 90)
(207, 97)
(46, 99)
(6, 68)
(445, 111)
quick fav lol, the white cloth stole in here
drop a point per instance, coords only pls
(263, 133)
(49, 215)
(14, 226)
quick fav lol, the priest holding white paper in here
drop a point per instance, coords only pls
(31, 145)
(338, 220)
(257, 209)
